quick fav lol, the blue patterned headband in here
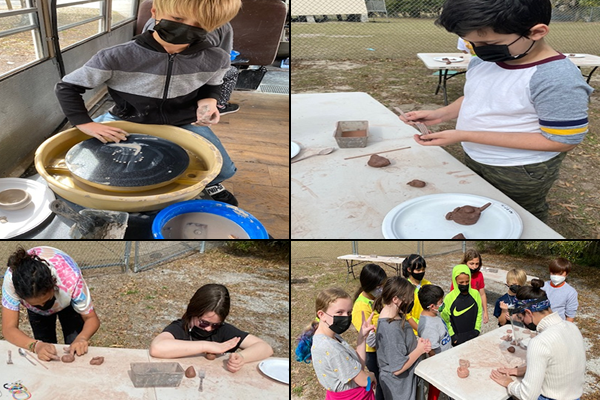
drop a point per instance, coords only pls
(532, 304)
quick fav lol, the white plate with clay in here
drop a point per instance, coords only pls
(295, 149)
(17, 222)
(451, 59)
(571, 55)
(425, 218)
(276, 368)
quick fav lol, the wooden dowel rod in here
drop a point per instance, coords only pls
(379, 152)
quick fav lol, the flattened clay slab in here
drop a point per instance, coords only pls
(190, 372)
(68, 358)
(377, 161)
(97, 361)
(210, 356)
(466, 215)
(417, 183)
(509, 331)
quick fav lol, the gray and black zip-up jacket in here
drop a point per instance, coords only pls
(147, 84)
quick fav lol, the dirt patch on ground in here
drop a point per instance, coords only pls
(135, 307)
(574, 201)
(309, 276)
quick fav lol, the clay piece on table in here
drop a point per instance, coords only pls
(509, 331)
(506, 338)
(459, 236)
(97, 361)
(466, 215)
(462, 372)
(210, 356)
(516, 329)
(68, 358)
(377, 161)
(464, 363)
(526, 332)
(511, 349)
(417, 183)
(190, 372)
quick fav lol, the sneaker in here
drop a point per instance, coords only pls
(228, 109)
(218, 193)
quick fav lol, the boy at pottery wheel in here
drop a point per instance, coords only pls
(171, 75)
(203, 329)
(49, 284)
(525, 104)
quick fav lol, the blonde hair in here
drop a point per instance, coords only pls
(517, 275)
(210, 14)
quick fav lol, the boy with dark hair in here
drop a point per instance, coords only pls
(562, 296)
(170, 75)
(462, 310)
(524, 103)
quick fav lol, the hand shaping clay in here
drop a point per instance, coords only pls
(68, 358)
(464, 363)
(459, 236)
(96, 360)
(466, 215)
(210, 356)
(378, 161)
(462, 372)
(190, 372)
(416, 183)
(511, 349)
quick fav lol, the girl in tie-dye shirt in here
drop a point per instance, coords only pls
(48, 283)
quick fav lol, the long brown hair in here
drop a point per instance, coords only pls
(472, 254)
(396, 286)
(211, 297)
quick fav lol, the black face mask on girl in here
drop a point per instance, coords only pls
(178, 33)
(340, 323)
(47, 305)
(418, 276)
(201, 334)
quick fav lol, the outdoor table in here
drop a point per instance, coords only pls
(80, 380)
(499, 275)
(337, 198)
(485, 353)
(443, 68)
(588, 60)
(353, 260)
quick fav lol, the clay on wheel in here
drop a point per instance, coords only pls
(190, 372)
(96, 360)
(210, 356)
(466, 215)
(462, 372)
(511, 349)
(416, 183)
(68, 358)
(378, 161)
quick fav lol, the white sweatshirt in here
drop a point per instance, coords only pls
(555, 362)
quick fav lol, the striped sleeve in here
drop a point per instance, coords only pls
(560, 96)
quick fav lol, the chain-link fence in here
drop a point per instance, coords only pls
(404, 248)
(149, 254)
(396, 29)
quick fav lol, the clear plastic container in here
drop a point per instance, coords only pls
(156, 374)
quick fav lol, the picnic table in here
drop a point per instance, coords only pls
(111, 380)
(498, 274)
(353, 260)
(336, 198)
(485, 353)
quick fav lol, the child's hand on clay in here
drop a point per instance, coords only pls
(46, 351)
(235, 362)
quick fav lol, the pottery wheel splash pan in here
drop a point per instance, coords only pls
(142, 162)
(205, 163)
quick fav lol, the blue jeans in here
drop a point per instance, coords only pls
(228, 169)
(542, 397)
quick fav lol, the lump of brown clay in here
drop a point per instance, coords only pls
(466, 215)
(507, 338)
(416, 183)
(464, 363)
(68, 358)
(509, 331)
(462, 372)
(511, 349)
(516, 329)
(459, 236)
(378, 161)
(190, 372)
(210, 356)
(96, 360)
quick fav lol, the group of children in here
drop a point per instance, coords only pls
(402, 319)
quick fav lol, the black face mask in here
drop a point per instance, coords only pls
(178, 33)
(514, 288)
(418, 276)
(498, 52)
(531, 326)
(463, 288)
(409, 307)
(340, 323)
(47, 305)
(475, 270)
(201, 334)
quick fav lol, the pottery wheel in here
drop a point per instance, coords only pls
(141, 162)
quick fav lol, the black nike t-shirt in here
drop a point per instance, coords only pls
(223, 334)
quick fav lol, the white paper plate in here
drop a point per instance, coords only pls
(276, 368)
(425, 218)
(451, 59)
(295, 149)
(571, 55)
(25, 219)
